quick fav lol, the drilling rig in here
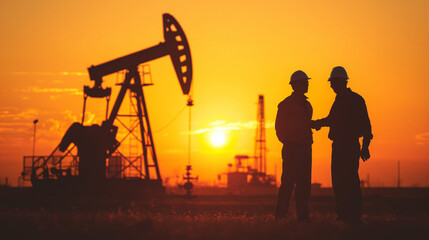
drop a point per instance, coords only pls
(88, 157)
(246, 176)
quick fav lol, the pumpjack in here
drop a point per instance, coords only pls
(98, 164)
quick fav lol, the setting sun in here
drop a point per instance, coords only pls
(377, 49)
(200, 119)
(218, 139)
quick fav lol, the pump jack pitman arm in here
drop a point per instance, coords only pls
(176, 45)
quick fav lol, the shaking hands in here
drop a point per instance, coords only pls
(316, 124)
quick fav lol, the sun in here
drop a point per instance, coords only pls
(218, 139)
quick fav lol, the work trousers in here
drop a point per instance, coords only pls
(296, 174)
(345, 179)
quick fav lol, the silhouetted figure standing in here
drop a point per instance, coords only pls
(347, 121)
(293, 129)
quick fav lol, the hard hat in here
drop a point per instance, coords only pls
(298, 76)
(338, 72)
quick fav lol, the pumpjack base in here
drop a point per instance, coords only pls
(111, 188)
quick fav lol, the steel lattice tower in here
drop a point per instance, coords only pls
(260, 140)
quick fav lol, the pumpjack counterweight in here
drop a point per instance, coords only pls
(97, 146)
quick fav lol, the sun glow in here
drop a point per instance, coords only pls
(218, 139)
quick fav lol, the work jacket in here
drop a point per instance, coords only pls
(293, 121)
(348, 118)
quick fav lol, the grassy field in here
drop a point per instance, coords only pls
(206, 217)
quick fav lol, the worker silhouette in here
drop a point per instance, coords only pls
(293, 129)
(347, 121)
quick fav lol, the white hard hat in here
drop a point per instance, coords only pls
(338, 72)
(298, 76)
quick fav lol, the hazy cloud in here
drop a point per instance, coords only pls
(17, 125)
(222, 125)
(52, 90)
(53, 124)
(422, 138)
(13, 114)
(50, 73)
(89, 118)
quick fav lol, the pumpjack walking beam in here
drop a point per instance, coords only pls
(176, 45)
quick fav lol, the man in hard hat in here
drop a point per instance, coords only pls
(347, 121)
(293, 129)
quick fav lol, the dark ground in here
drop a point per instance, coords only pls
(28, 216)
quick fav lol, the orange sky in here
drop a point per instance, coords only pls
(240, 49)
